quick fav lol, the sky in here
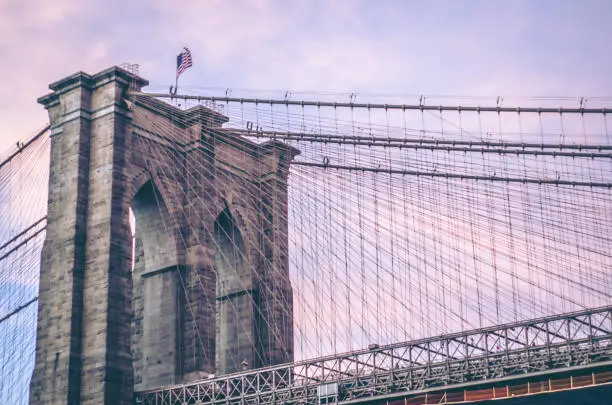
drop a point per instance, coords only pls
(508, 48)
(469, 48)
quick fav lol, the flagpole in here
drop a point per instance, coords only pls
(183, 61)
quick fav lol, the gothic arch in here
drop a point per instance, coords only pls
(247, 231)
(230, 257)
(155, 288)
(235, 300)
(143, 176)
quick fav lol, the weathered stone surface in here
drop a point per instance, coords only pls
(83, 351)
(210, 289)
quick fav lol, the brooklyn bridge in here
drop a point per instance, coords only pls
(161, 248)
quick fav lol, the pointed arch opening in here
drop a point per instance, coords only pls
(229, 254)
(153, 228)
(235, 297)
(155, 293)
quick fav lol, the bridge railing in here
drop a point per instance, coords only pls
(553, 343)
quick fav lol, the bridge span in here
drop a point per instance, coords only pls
(538, 356)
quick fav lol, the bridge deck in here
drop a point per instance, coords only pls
(557, 344)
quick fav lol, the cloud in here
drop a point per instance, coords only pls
(399, 47)
(39, 46)
(476, 48)
(19, 17)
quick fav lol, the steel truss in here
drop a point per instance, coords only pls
(519, 349)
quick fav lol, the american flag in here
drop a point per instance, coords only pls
(183, 61)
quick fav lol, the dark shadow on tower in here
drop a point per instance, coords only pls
(155, 291)
(236, 303)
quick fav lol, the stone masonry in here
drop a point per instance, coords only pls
(210, 289)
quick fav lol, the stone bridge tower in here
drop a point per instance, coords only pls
(209, 291)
